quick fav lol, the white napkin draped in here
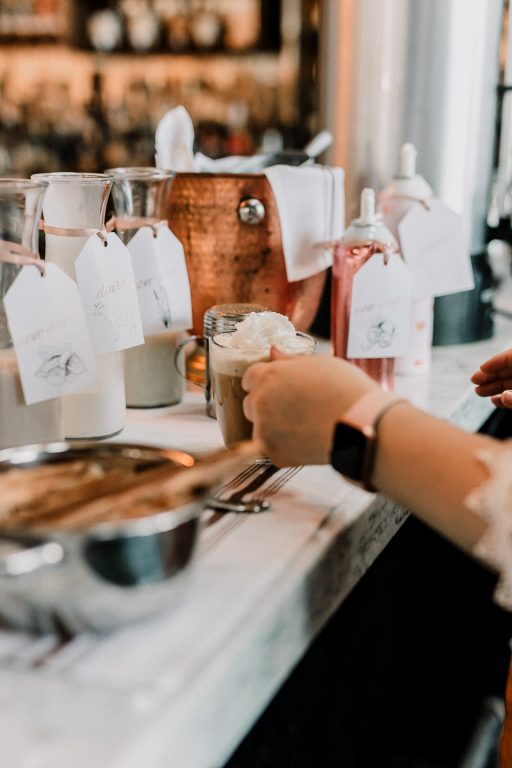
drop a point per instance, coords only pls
(311, 206)
(174, 141)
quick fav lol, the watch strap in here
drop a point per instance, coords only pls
(367, 409)
(364, 416)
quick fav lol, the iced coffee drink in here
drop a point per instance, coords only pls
(232, 353)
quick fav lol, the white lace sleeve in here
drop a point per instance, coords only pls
(493, 501)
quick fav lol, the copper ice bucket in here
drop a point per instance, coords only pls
(229, 227)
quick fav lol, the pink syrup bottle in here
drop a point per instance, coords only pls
(364, 237)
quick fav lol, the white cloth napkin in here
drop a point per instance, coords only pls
(311, 206)
(174, 145)
(174, 141)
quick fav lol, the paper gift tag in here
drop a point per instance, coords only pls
(106, 284)
(435, 249)
(162, 280)
(380, 309)
(51, 340)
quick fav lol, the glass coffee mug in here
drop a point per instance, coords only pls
(221, 318)
(227, 367)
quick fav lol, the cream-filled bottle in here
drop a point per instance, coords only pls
(74, 207)
(151, 376)
(405, 190)
(20, 211)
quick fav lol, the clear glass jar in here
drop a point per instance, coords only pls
(151, 378)
(20, 424)
(78, 201)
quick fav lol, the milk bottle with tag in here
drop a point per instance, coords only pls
(20, 210)
(74, 211)
(151, 376)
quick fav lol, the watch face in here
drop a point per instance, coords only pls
(348, 451)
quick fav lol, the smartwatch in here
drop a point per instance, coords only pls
(355, 437)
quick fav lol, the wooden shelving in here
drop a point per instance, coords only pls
(34, 21)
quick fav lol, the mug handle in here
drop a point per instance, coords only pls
(183, 373)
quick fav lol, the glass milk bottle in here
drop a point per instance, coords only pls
(364, 237)
(405, 190)
(20, 211)
(74, 208)
(151, 377)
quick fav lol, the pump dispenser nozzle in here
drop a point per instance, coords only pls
(406, 187)
(367, 215)
(369, 224)
(408, 156)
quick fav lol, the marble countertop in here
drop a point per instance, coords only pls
(183, 688)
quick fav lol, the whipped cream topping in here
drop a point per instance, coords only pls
(232, 353)
(261, 330)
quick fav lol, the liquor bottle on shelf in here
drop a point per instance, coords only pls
(143, 28)
(206, 27)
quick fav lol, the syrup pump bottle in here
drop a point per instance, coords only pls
(364, 237)
(406, 189)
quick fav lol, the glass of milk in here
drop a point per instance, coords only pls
(151, 378)
(78, 201)
(20, 424)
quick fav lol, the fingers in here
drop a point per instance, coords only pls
(248, 409)
(483, 377)
(479, 377)
(503, 400)
(253, 375)
(494, 387)
(276, 354)
(497, 362)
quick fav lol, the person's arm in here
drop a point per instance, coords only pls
(421, 462)
(431, 467)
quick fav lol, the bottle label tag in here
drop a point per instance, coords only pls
(106, 284)
(380, 309)
(51, 339)
(161, 278)
(435, 249)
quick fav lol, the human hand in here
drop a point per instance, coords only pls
(295, 402)
(494, 379)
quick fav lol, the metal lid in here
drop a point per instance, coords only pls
(224, 317)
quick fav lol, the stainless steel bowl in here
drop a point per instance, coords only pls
(103, 576)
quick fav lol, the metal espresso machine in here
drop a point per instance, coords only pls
(393, 71)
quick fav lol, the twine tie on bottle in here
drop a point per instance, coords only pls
(14, 253)
(125, 223)
(74, 231)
